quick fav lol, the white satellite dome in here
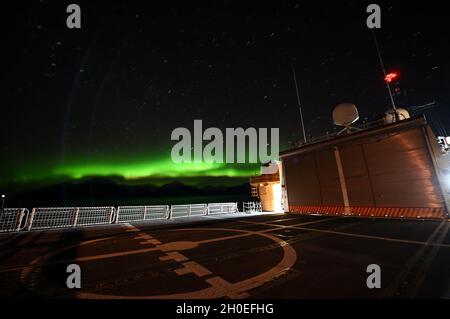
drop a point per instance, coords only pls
(389, 116)
(345, 114)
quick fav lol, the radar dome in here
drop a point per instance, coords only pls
(389, 116)
(345, 114)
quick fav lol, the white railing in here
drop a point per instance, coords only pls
(222, 208)
(13, 219)
(65, 217)
(252, 207)
(198, 209)
(17, 219)
(95, 216)
(141, 213)
(188, 210)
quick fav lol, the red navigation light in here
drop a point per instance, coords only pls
(391, 77)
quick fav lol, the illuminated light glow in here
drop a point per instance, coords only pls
(391, 77)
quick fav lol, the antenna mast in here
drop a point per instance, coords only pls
(299, 105)
(385, 74)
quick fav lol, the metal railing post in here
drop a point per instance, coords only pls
(75, 219)
(145, 212)
(113, 216)
(19, 221)
(25, 224)
(117, 215)
(30, 223)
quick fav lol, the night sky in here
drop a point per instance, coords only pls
(103, 99)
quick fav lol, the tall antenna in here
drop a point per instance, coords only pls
(396, 117)
(299, 105)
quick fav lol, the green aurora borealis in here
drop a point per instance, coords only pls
(129, 169)
(161, 168)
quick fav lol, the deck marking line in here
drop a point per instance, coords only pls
(193, 267)
(237, 290)
(119, 254)
(404, 241)
(174, 255)
(226, 288)
(151, 242)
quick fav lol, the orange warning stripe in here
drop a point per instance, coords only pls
(386, 212)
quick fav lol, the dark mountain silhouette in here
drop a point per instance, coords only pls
(107, 192)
